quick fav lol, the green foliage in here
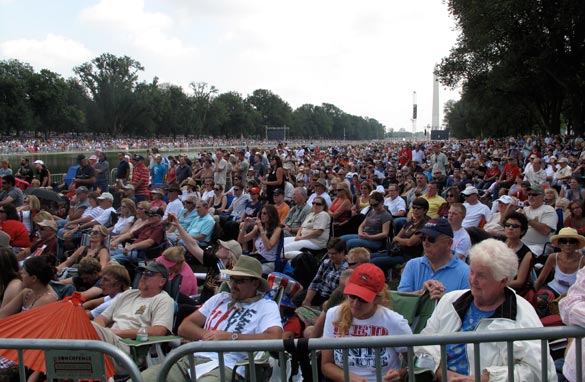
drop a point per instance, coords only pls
(106, 98)
(525, 57)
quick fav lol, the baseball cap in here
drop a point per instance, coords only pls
(436, 227)
(254, 190)
(505, 199)
(106, 195)
(366, 281)
(38, 161)
(138, 157)
(155, 266)
(81, 189)
(278, 191)
(470, 190)
(93, 157)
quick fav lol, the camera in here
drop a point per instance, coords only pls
(520, 204)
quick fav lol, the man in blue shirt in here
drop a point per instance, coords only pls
(438, 271)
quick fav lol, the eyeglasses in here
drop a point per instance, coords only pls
(352, 297)
(417, 208)
(511, 225)
(237, 189)
(44, 228)
(317, 204)
(263, 213)
(188, 202)
(340, 189)
(569, 241)
(141, 208)
(149, 274)
(217, 189)
(450, 195)
(240, 280)
(95, 233)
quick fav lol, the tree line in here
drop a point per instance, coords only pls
(520, 65)
(106, 98)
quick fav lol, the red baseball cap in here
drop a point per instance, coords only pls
(365, 282)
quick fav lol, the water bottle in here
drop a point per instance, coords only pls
(142, 335)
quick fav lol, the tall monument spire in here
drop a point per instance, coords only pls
(435, 121)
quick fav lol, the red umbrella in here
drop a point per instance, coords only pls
(65, 319)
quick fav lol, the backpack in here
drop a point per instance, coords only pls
(305, 268)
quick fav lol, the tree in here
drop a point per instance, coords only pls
(111, 81)
(272, 110)
(203, 96)
(527, 52)
(15, 111)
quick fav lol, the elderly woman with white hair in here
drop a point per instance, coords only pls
(489, 305)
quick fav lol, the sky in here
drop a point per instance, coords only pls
(367, 57)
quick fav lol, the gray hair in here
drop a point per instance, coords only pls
(302, 191)
(496, 255)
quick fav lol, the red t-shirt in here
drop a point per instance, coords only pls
(17, 232)
(511, 172)
(140, 173)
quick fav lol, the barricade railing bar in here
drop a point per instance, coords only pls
(118, 355)
(409, 341)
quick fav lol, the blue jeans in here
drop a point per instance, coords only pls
(385, 261)
(353, 241)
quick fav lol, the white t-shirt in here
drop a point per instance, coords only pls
(474, 213)
(362, 361)
(176, 206)
(254, 318)
(461, 242)
(543, 214)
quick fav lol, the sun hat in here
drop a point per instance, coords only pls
(537, 188)
(248, 266)
(157, 191)
(568, 233)
(366, 281)
(436, 227)
(49, 223)
(174, 187)
(157, 267)
(233, 246)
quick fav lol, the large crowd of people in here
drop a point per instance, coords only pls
(490, 228)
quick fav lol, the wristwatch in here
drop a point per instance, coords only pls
(235, 336)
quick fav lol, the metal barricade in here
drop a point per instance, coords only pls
(409, 341)
(71, 345)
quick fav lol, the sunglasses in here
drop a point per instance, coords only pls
(237, 189)
(511, 225)
(95, 233)
(141, 208)
(450, 195)
(317, 204)
(569, 241)
(417, 208)
(149, 274)
(430, 239)
(240, 280)
(217, 189)
(352, 297)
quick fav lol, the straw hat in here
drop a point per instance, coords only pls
(248, 266)
(568, 233)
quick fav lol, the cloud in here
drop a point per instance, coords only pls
(56, 53)
(149, 32)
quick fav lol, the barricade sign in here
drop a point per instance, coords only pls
(79, 364)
